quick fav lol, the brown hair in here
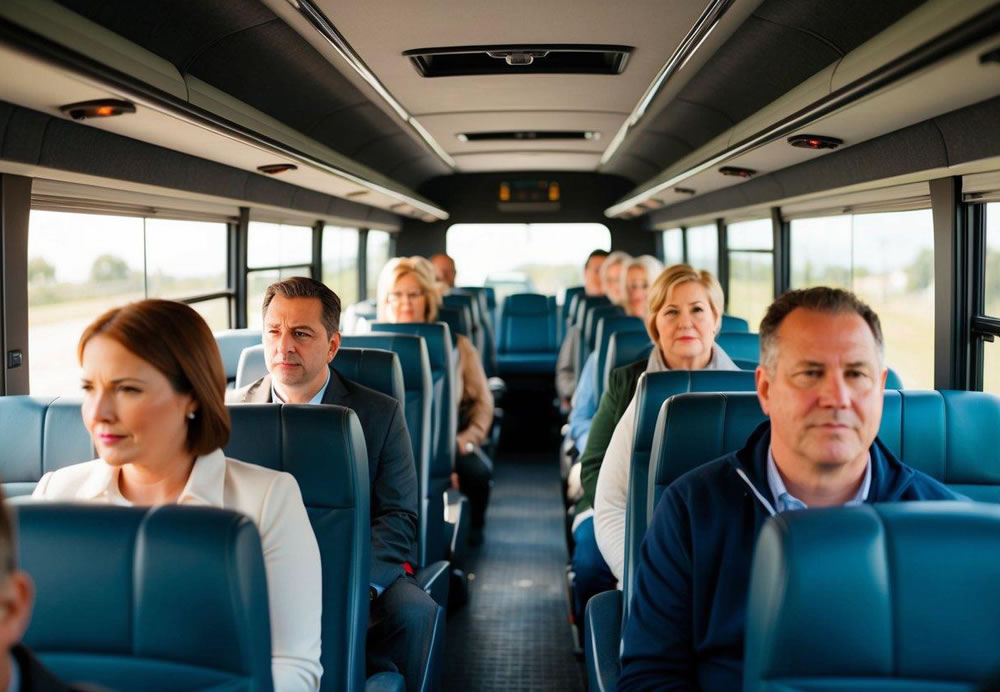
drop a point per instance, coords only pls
(831, 301)
(305, 287)
(175, 340)
(673, 276)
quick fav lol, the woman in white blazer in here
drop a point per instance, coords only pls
(153, 402)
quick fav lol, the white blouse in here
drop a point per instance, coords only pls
(291, 556)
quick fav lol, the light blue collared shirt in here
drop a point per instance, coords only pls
(14, 685)
(784, 501)
(318, 399)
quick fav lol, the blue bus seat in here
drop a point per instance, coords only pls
(734, 324)
(624, 348)
(488, 347)
(583, 304)
(231, 344)
(323, 447)
(602, 636)
(470, 302)
(40, 434)
(459, 321)
(570, 297)
(444, 415)
(898, 596)
(590, 322)
(147, 598)
(605, 328)
(892, 379)
(742, 345)
(527, 335)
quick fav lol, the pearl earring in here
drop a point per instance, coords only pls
(190, 415)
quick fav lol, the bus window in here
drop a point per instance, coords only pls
(991, 351)
(340, 262)
(673, 246)
(703, 247)
(377, 254)
(274, 252)
(887, 259)
(80, 265)
(538, 257)
(751, 269)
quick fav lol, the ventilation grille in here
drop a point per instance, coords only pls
(527, 135)
(519, 59)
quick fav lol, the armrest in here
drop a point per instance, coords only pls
(385, 682)
(603, 622)
(434, 580)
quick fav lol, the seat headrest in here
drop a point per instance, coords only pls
(231, 344)
(627, 347)
(734, 324)
(376, 369)
(526, 304)
(410, 348)
(436, 334)
(126, 594)
(875, 596)
(40, 434)
(742, 345)
(252, 366)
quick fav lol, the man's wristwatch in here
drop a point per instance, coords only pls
(469, 447)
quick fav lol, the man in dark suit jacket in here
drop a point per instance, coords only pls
(301, 339)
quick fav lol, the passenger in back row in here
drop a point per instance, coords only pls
(685, 313)
(406, 293)
(153, 385)
(301, 338)
(566, 365)
(820, 380)
(444, 269)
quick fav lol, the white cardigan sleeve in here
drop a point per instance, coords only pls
(294, 587)
(612, 490)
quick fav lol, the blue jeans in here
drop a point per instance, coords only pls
(592, 573)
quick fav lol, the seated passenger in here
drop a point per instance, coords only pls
(566, 365)
(820, 379)
(638, 273)
(685, 313)
(19, 669)
(301, 338)
(444, 269)
(153, 388)
(406, 293)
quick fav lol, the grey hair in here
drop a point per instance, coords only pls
(832, 301)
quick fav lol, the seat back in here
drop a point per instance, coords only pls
(734, 324)
(590, 322)
(527, 324)
(458, 319)
(231, 344)
(252, 366)
(566, 310)
(470, 302)
(651, 394)
(416, 371)
(583, 304)
(605, 328)
(486, 342)
(624, 348)
(742, 345)
(323, 447)
(444, 414)
(40, 434)
(145, 598)
(875, 597)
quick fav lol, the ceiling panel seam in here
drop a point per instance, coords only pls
(185, 66)
(805, 32)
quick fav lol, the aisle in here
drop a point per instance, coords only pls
(513, 634)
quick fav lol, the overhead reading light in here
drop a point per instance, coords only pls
(737, 172)
(276, 168)
(101, 108)
(814, 142)
(683, 190)
(555, 58)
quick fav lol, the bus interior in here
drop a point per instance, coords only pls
(199, 150)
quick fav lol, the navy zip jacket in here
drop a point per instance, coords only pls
(688, 616)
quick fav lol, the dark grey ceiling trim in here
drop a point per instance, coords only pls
(65, 59)
(945, 45)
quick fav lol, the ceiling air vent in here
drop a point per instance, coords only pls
(519, 59)
(526, 135)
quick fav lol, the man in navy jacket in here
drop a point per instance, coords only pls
(820, 381)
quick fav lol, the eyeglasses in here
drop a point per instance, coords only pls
(397, 296)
